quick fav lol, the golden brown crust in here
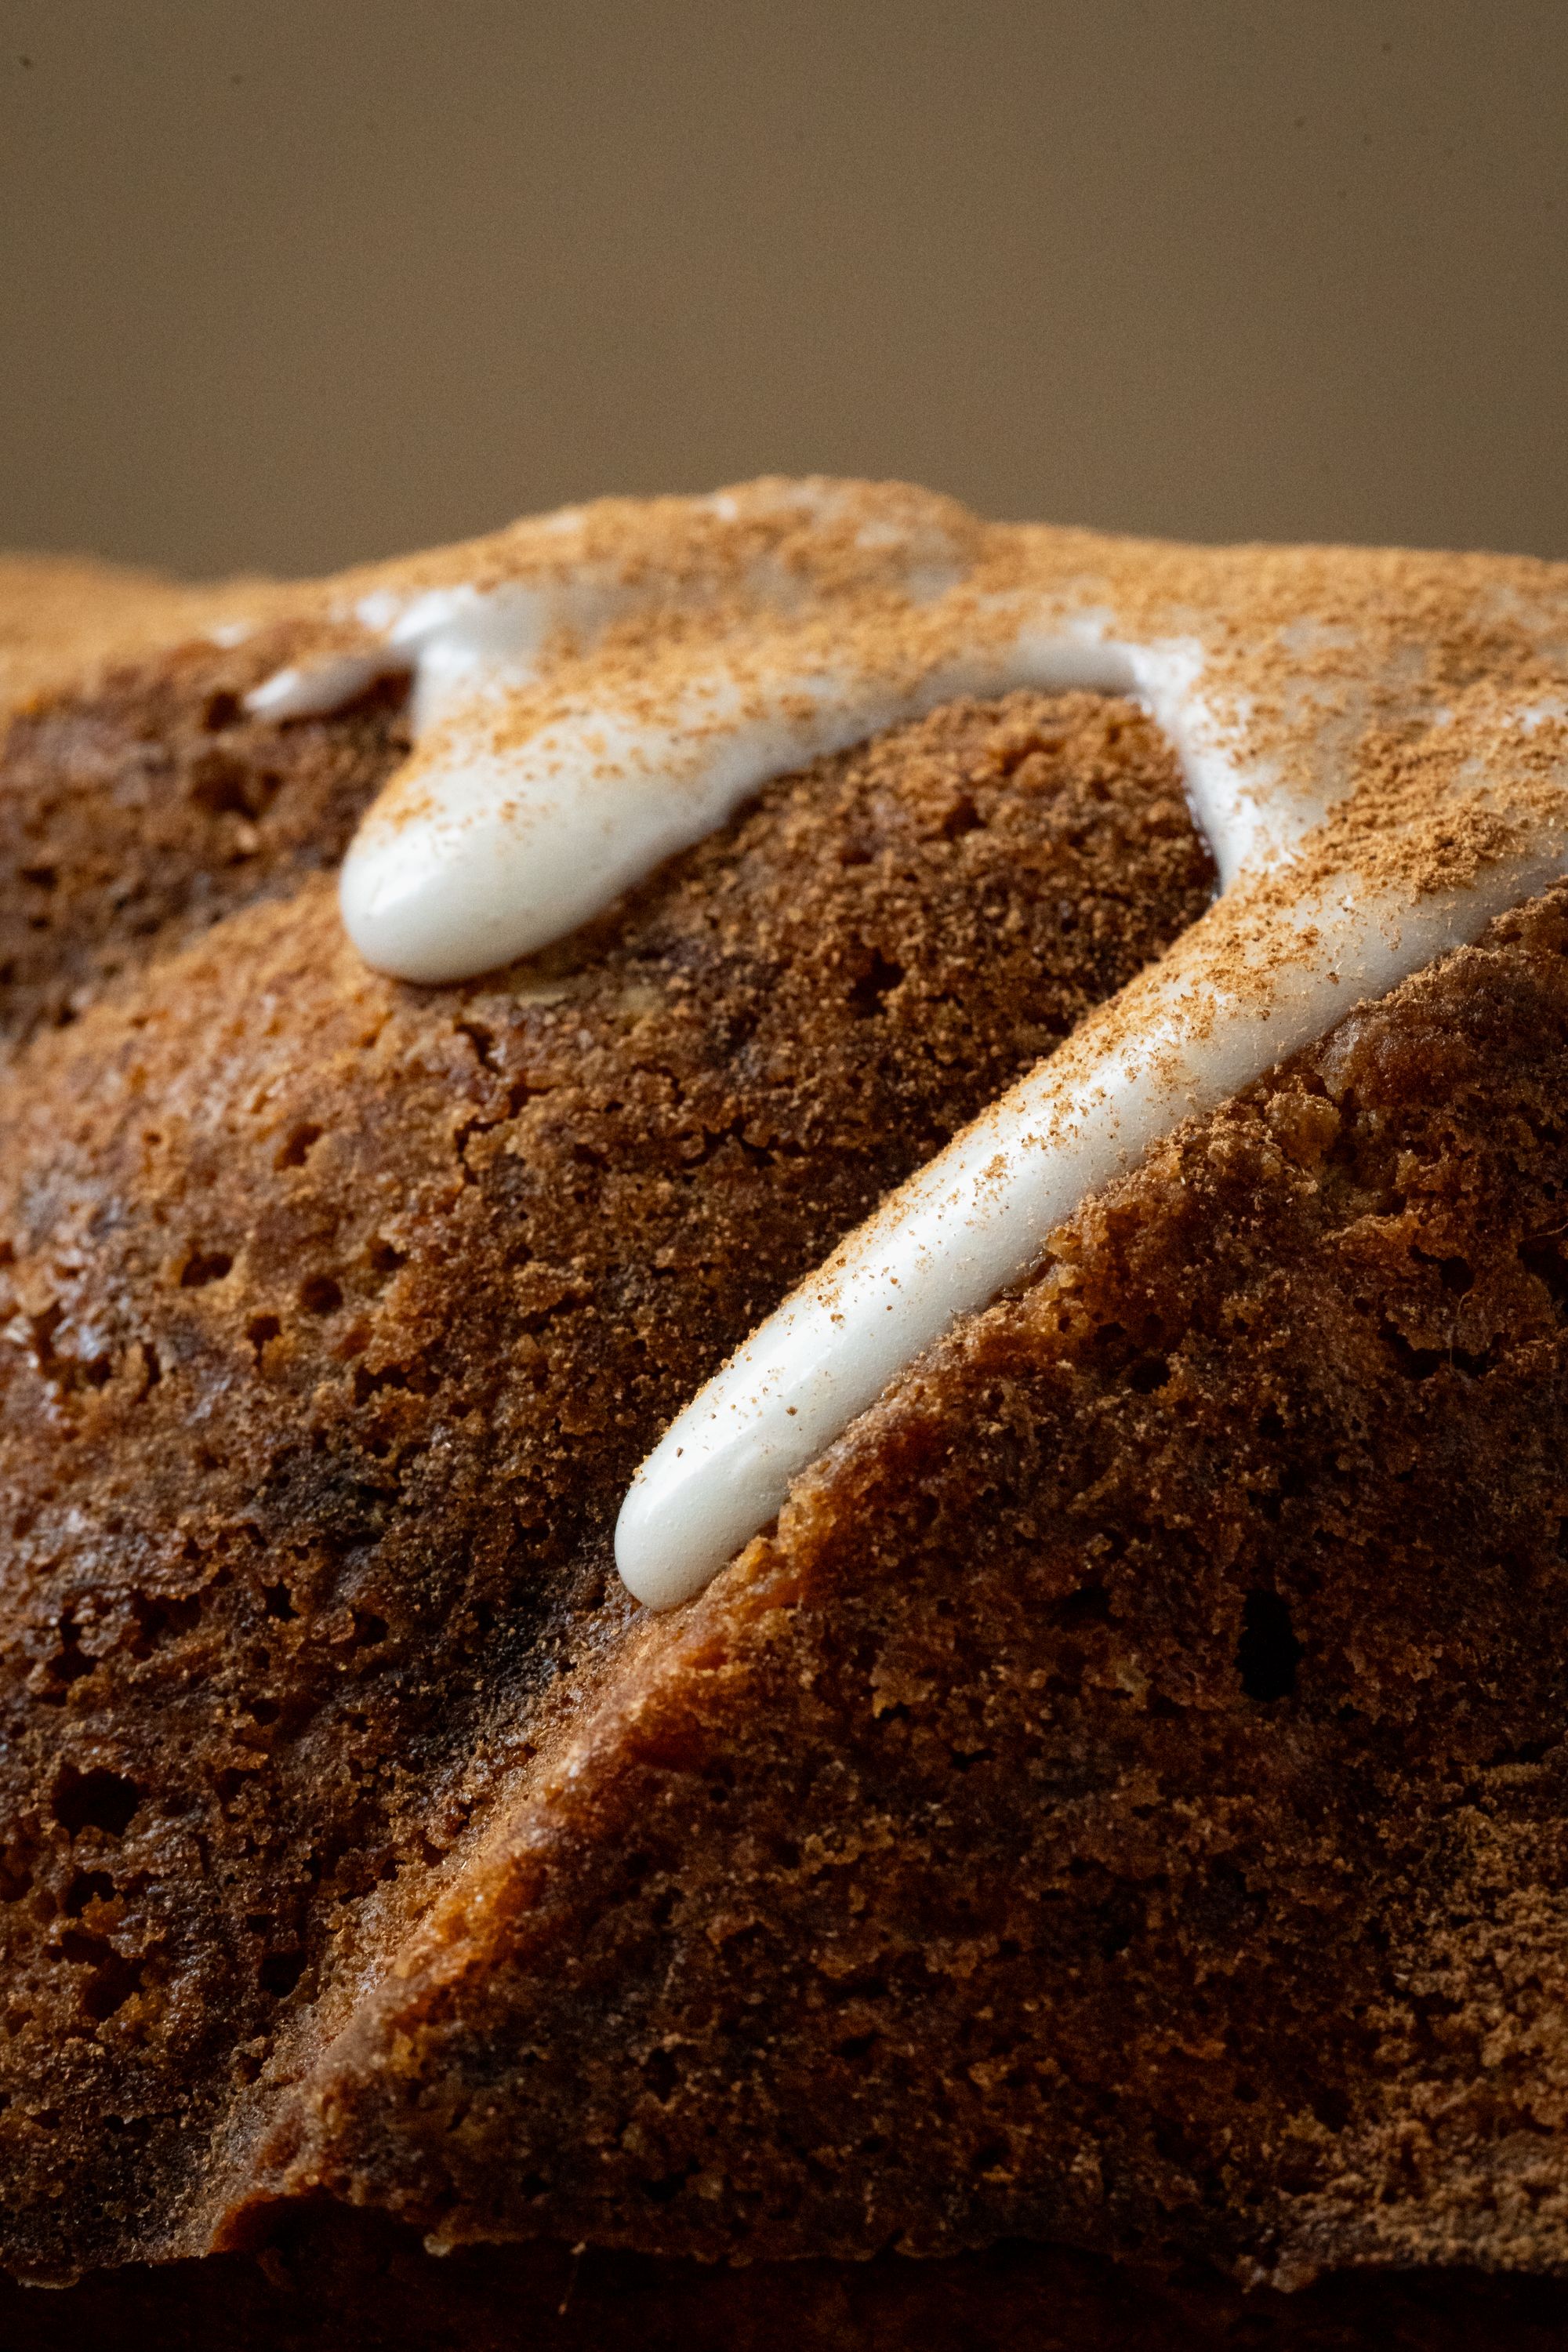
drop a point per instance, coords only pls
(136, 812)
(339, 1312)
(1123, 1803)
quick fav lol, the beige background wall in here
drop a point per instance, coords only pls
(292, 281)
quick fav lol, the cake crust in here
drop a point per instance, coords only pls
(338, 1314)
(1123, 1801)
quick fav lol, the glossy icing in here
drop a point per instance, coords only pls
(1376, 746)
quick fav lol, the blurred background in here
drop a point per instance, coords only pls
(290, 282)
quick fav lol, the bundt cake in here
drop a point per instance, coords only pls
(784, 1398)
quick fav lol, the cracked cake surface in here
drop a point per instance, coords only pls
(1118, 1802)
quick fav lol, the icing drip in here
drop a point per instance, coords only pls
(978, 1216)
(1376, 748)
(494, 842)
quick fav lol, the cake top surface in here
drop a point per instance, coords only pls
(1374, 743)
(1273, 620)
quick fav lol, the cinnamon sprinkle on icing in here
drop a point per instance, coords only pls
(1375, 743)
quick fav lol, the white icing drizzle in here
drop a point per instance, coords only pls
(311, 690)
(556, 765)
(484, 852)
(978, 1217)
